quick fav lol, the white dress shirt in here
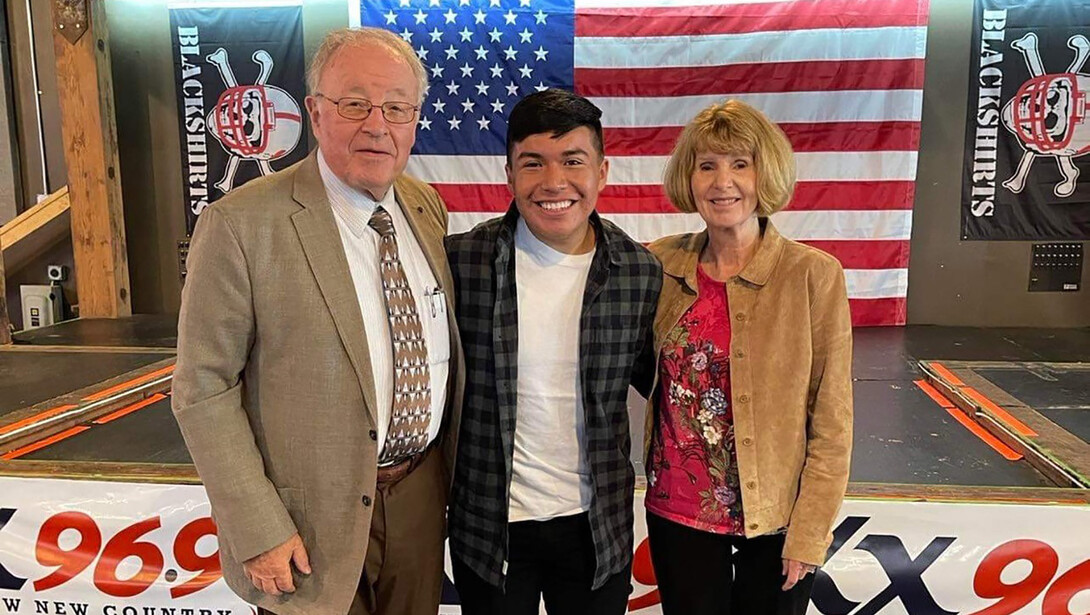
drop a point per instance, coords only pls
(352, 210)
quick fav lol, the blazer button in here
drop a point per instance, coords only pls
(741, 317)
(747, 441)
(741, 354)
(743, 398)
(366, 500)
(373, 434)
(751, 485)
(753, 526)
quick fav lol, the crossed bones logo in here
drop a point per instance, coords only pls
(1048, 114)
(258, 122)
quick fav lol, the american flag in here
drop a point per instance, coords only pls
(843, 78)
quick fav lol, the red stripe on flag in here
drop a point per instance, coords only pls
(867, 254)
(878, 312)
(743, 18)
(822, 75)
(853, 196)
(650, 199)
(474, 197)
(804, 137)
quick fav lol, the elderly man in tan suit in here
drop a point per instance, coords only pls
(319, 374)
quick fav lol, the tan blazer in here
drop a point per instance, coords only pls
(790, 378)
(273, 388)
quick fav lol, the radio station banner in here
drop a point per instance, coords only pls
(240, 78)
(1026, 172)
(97, 548)
(94, 548)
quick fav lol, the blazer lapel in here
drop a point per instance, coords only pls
(324, 251)
(428, 237)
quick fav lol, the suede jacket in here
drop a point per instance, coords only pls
(791, 385)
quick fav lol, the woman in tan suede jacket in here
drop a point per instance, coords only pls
(749, 429)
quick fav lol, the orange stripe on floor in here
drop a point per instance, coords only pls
(128, 384)
(934, 394)
(41, 416)
(1007, 452)
(144, 403)
(946, 374)
(40, 444)
(1002, 414)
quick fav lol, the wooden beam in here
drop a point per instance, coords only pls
(5, 329)
(36, 230)
(90, 148)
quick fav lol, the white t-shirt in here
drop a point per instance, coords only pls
(550, 477)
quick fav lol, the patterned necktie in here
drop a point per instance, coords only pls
(411, 411)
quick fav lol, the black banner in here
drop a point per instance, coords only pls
(240, 79)
(1026, 171)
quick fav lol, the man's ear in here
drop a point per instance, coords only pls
(311, 103)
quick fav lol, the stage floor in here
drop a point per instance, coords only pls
(902, 436)
(30, 377)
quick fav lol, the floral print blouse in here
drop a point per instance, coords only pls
(693, 471)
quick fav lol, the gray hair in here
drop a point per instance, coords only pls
(358, 37)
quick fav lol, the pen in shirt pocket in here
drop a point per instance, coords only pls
(436, 301)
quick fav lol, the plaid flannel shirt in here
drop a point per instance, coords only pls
(615, 350)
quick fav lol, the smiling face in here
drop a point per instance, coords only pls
(724, 188)
(365, 154)
(556, 182)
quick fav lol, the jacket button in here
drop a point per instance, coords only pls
(743, 398)
(741, 354)
(741, 317)
(366, 500)
(373, 434)
(747, 441)
(753, 526)
(751, 485)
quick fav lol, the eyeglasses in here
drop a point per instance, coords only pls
(395, 112)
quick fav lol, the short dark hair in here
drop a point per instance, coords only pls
(556, 112)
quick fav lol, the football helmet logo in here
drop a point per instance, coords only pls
(1048, 114)
(257, 122)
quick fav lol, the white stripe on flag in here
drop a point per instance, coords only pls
(647, 170)
(891, 43)
(812, 166)
(800, 225)
(862, 283)
(876, 283)
(355, 18)
(836, 106)
(841, 224)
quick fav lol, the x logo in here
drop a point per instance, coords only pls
(904, 572)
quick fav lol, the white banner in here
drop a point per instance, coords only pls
(96, 548)
(930, 558)
(82, 548)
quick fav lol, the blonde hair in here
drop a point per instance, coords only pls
(733, 127)
(359, 37)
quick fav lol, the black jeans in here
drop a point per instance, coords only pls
(553, 560)
(701, 573)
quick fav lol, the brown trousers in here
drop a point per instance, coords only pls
(403, 570)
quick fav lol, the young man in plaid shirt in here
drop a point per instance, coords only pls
(555, 307)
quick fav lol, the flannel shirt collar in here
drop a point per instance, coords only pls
(505, 241)
(682, 264)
